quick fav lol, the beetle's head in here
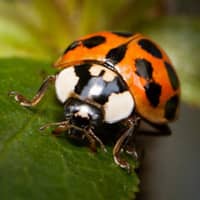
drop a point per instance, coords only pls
(82, 114)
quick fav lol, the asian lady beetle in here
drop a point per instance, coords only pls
(108, 78)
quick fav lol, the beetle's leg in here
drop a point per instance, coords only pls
(129, 145)
(61, 127)
(132, 124)
(91, 134)
(92, 141)
(130, 149)
(67, 127)
(23, 101)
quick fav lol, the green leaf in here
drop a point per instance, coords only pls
(179, 36)
(35, 165)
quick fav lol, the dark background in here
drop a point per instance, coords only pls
(170, 167)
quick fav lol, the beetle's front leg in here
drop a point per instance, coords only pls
(23, 101)
(60, 127)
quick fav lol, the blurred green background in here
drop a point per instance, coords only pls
(43, 29)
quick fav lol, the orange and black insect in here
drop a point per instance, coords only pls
(108, 78)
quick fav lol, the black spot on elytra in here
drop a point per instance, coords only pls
(153, 92)
(150, 47)
(123, 34)
(116, 54)
(172, 76)
(93, 41)
(143, 68)
(171, 107)
(72, 46)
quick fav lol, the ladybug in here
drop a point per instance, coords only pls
(111, 78)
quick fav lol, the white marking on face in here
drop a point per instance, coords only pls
(65, 83)
(118, 107)
(109, 75)
(83, 112)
